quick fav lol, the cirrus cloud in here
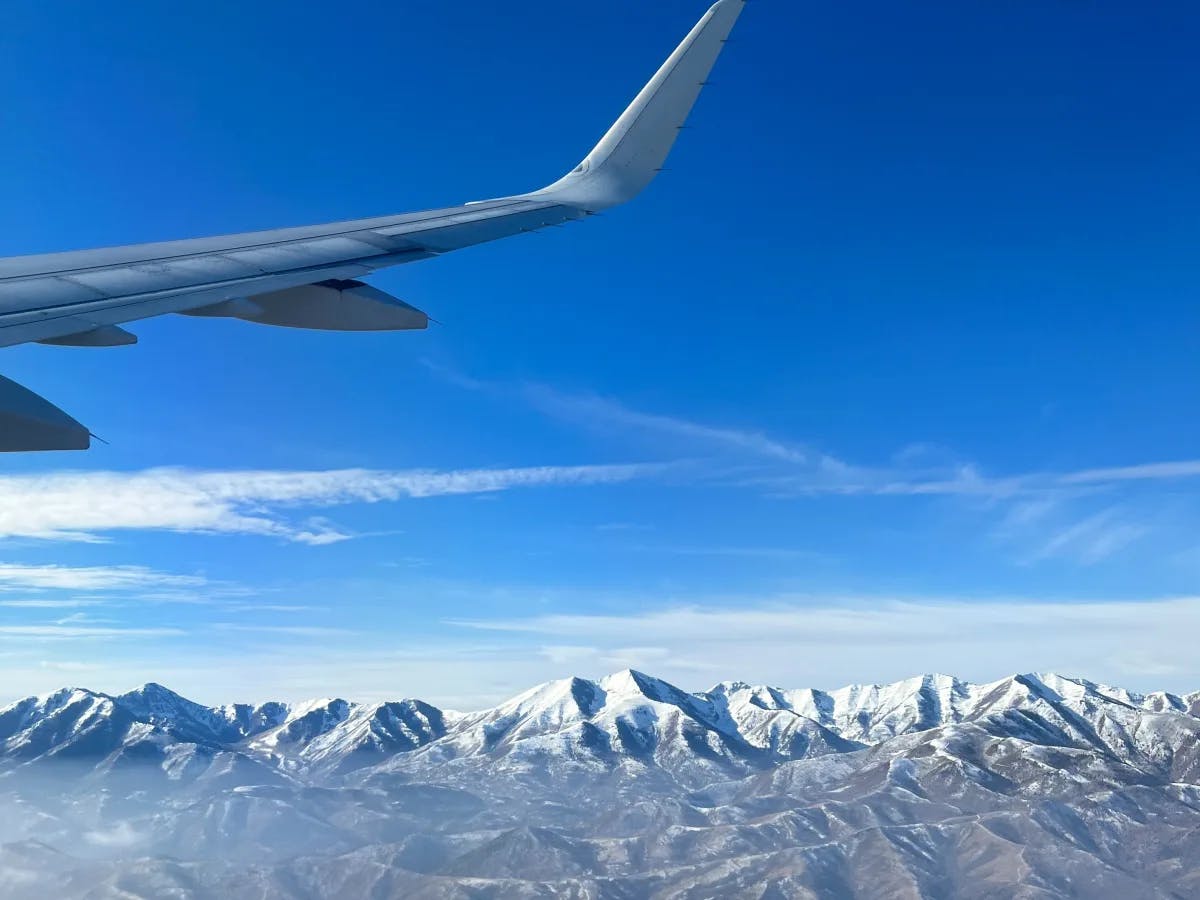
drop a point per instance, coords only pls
(89, 578)
(83, 506)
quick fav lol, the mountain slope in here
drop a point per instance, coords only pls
(1031, 786)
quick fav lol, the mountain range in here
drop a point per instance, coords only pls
(1034, 786)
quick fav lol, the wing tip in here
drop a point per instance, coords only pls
(634, 149)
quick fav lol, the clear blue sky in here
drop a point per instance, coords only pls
(900, 341)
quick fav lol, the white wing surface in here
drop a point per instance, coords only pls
(310, 277)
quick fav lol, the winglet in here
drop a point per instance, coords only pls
(635, 148)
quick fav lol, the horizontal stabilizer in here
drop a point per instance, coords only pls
(104, 336)
(30, 422)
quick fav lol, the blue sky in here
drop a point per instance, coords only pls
(894, 370)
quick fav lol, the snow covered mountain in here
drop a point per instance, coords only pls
(1031, 786)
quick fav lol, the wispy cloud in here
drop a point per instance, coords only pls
(1043, 515)
(302, 631)
(275, 608)
(89, 578)
(49, 604)
(731, 552)
(790, 467)
(786, 641)
(1187, 468)
(604, 413)
(88, 505)
(793, 642)
(967, 480)
(81, 618)
(1091, 540)
(808, 621)
(67, 665)
(86, 631)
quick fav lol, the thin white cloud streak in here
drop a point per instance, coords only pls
(1141, 645)
(839, 642)
(595, 411)
(300, 631)
(801, 470)
(892, 621)
(967, 480)
(71, 506)
(1091, 540)
(81, 618)
(49, 604)
(1046, 528)
(90, 578)
(275, 608)
(66, 665)
(731, 552)
(72, 631)
(1188, 468)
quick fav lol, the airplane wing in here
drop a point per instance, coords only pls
(310, 277)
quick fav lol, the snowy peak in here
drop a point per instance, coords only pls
(631, 683)
(626, 719)
(154, 704)
(876, 712)
(372, 734)
(556, 702)
(249, 721)
(155, 698)
(724, 789)
(66, 723)
(187, 720)
(871, 713)
(18, 716)
(304, 723)
(861, 713)
(760, 696)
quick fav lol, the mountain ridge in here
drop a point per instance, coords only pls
(628, 713)
(1036, 786)
(1051, 680)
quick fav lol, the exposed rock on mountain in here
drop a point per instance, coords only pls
(628, 787)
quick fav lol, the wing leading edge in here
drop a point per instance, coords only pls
(308, 277)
